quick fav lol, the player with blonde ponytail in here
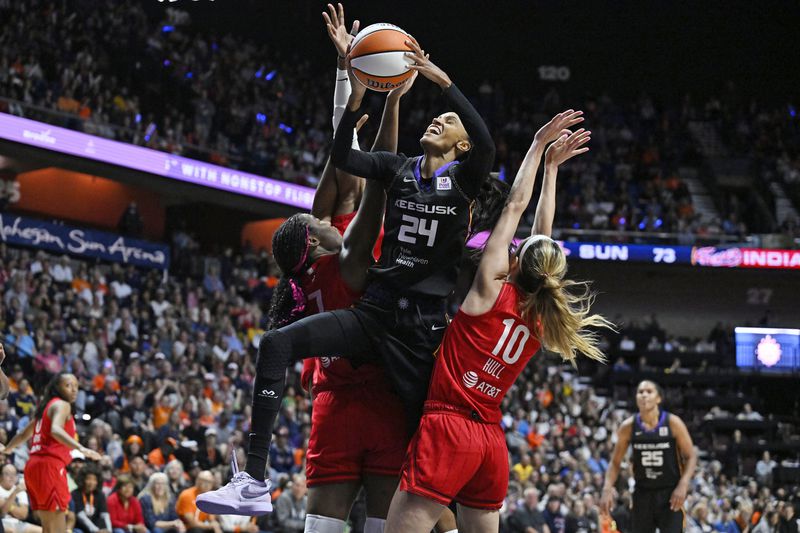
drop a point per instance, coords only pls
(516, 304)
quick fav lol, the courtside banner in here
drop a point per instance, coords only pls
(706, 256)
(171, 166)
(83, 242)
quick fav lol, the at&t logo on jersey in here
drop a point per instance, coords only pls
(470, 379)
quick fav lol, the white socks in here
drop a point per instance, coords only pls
(323, 524)
(374, 525)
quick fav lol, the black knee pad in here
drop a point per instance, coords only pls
(274, 354)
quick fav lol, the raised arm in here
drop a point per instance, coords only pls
(359, 239)
(556, 154)
(338, 192)
(620, 449)
(546, 208)
(688, 456)
(381, 166)
(471, 173)
(494, 265)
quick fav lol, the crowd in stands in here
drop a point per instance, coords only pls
(110, 70)
(166, 370)
(166, 365)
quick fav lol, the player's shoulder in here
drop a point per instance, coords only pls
(674, 421)
(627, 425)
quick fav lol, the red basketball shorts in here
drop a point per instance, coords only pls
(355, 431)
(453, 458)
(46, 484)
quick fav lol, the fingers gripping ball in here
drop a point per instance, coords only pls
(377, 55)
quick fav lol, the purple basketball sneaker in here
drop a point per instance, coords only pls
(242, 496)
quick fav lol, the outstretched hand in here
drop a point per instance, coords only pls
(337, 29)
(424, 65)
(567, 146)
(557, 126)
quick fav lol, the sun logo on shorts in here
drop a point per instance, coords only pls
(402, 303)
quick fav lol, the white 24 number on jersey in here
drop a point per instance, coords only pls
(413, 226)
(518, 339)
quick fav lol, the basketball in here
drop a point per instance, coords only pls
(377, 56)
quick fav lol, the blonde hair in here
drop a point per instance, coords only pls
(552, 303)
(159, 504)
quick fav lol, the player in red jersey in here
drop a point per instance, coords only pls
(54, 436)
(358, 435)
(515, 305)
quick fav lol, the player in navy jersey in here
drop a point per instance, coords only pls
(400, 319)
(664, 461)
(516, 304)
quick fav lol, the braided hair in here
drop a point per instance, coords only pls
(290, 249)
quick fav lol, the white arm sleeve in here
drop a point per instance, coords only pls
(341, 93)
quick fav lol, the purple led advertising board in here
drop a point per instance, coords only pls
(171, 166)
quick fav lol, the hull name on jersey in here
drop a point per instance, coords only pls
(426, 208)
(493, 368)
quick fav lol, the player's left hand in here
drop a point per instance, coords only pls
(337, 30)
(567, 146)
(557, 126)
(424, 65)
(678, 497)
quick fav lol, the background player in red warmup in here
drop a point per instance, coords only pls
(515, 304)
(54, 436)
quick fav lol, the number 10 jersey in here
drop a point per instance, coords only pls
(481, 357)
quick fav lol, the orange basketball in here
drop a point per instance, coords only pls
(377, 55)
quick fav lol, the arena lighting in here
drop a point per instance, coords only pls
(270, 75)
(62, 140)
(168, 29)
